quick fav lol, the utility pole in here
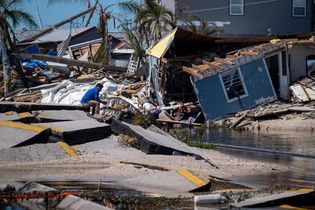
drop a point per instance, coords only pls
(38, 15)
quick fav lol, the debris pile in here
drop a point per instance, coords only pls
(304, 90)
(252, 119)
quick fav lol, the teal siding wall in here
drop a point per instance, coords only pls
(211, 96)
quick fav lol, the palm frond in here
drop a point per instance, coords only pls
(134, 41)
(22, 16)
(51, 2)
(129, 6)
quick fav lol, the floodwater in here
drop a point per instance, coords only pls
(293, 149)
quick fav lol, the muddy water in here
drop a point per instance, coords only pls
(302, 170)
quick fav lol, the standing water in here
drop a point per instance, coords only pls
(293, 149)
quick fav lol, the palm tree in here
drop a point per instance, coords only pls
(152, 20)
(10, 17)
(204, 27)
(103, 55)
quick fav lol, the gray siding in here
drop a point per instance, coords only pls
(257, 18)
(211, 95)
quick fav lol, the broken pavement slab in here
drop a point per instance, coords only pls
(27, 134)
(69, 202)
(37, 152)
(75, 203)
(10, 116)
(6, 106)
(170, 183)
(277, 199)
(78, 131)
(152, 142)
(62, 115)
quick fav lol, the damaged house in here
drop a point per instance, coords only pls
(184, 48)
(302, 69)
(181, 48)
(81, 43)
(251, 76)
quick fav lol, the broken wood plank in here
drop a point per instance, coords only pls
(239, 120)
(212, 64)
(192, 72)
(250, 53)
(202, 68)
(179, 122)
(223, 60)
(270, 113)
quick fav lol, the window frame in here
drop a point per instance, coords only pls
(236, 5)
(305, 9)
(221, 75)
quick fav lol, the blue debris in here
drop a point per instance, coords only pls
(32, 64)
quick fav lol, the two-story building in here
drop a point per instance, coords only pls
(253, 17)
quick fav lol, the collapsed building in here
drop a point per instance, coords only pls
(181, 48)
(253, 76)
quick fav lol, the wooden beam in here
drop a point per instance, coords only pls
(212, 64)
(223, 60)
(192, 72)
(250, 53)
(202, 68)
(179, 122)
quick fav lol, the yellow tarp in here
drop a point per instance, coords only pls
(162, 46)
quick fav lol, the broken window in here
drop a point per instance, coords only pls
(299, 8)
(236, 7)
(233, 85)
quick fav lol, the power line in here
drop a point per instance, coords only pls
(227, 7)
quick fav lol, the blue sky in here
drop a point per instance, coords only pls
(56, 12)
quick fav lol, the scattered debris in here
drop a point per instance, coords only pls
(304, 90)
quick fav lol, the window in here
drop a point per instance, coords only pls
(236, 7)
(233, 85)
(299, 8)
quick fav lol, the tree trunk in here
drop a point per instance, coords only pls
(6, 64)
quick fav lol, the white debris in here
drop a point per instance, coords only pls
(71, 93)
